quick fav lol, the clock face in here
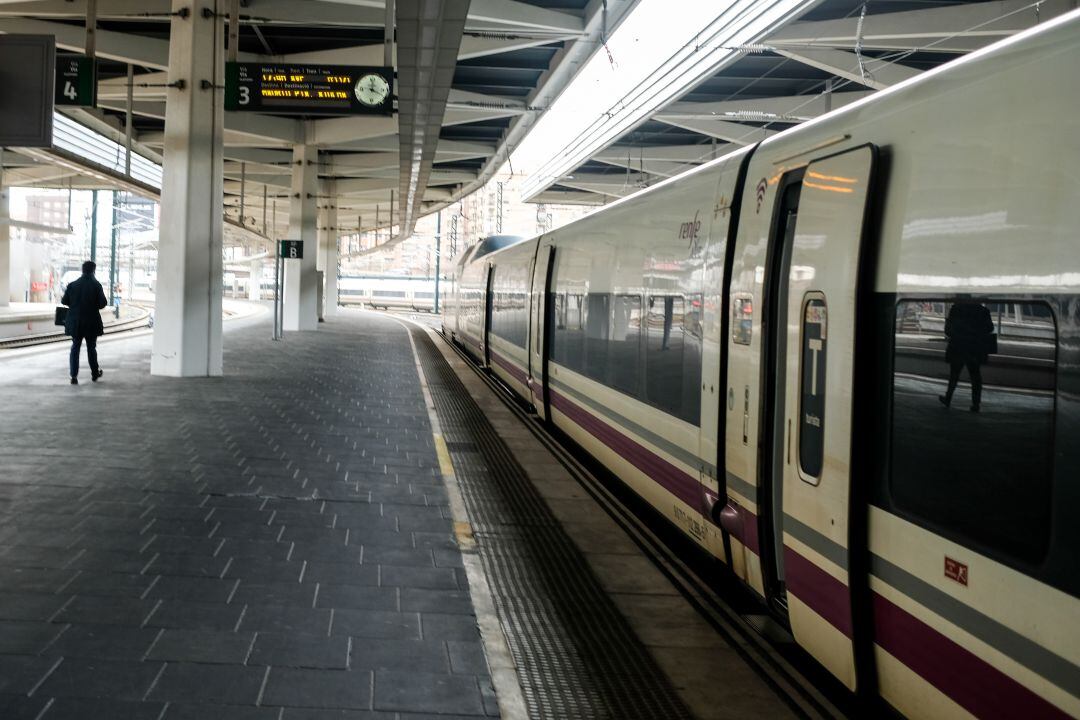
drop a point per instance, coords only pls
(372, 89)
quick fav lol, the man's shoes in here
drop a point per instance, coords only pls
(944, 400)
(74, 381)
(94, 375)
(975, 408)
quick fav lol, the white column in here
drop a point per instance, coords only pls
(255, 282)
(5, 245)
(187, 327)
(301, 295)
(329, 254)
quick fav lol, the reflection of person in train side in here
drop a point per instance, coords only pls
(970, 332)
(669, 311)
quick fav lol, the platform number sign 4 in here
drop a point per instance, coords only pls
(76, 81)
(292, 249)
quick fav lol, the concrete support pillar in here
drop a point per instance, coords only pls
(301, 294)
(5, 246)
(187, 328)
(255, 283)
(329, 254)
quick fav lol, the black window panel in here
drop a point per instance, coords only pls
(673, 355)
(568, 338)
(509, 317)
(597, 335)
(625, 356)
(973, 416)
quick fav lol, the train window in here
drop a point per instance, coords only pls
(388, 293)
(673, 355)
(973, 398)
(625, 349)
(509, 319)
(815, 337)
(597, 326)
(567, 340)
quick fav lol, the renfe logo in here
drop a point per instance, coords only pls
(689, 231)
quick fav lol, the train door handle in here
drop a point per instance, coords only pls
(789, 441)
(746, 415)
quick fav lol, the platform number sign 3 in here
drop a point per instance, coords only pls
(292, 249)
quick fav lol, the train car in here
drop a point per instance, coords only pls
(387, 292)
(464, 319)
(846, 363)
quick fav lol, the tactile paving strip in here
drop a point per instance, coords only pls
(577, 656)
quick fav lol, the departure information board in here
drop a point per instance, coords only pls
(309, 89)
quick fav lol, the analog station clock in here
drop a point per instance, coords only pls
(372, 89)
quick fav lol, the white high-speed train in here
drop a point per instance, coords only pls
(388, 292)
(846, 362)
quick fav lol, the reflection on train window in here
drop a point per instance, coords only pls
(388, 293)
(625, 352)
(673, 355)
(509, 317)
(973, 420)
(815, 336)
(742, 319)
(597, 322)
(567, 340)
(600, 335)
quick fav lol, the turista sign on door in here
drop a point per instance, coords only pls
(812, 404)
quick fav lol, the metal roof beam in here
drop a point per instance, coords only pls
(134, 49)
(617, 154)
(725, 130)
(873, 73)
(263, 11)
(793, 108)
(474, 46)
(332, 131)
(950, 28)
(519, 14)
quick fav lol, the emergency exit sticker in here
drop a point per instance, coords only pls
(956, 570)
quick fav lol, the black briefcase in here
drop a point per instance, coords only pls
(61, 315)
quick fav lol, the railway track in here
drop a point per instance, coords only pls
(760, 641)
(138, 322)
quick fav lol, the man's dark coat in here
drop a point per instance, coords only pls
(84, 298)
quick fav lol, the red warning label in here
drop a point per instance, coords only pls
(955, 570)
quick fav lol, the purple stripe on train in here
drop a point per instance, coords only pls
(974, 684)
(509, 366)
(678, 483)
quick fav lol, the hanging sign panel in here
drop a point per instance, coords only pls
(27, 75)
(76, 80)
(309, 89)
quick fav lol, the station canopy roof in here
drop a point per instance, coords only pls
(824, 55)
(471, 79)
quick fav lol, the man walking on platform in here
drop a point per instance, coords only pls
(85, 299)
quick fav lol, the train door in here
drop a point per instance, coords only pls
(813, 298)
(489, 299)
(542, 308)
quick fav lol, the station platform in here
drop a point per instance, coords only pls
(350, 524)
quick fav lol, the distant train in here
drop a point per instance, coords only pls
(846, 362)
(388, 292)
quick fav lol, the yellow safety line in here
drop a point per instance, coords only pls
(445, 466)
